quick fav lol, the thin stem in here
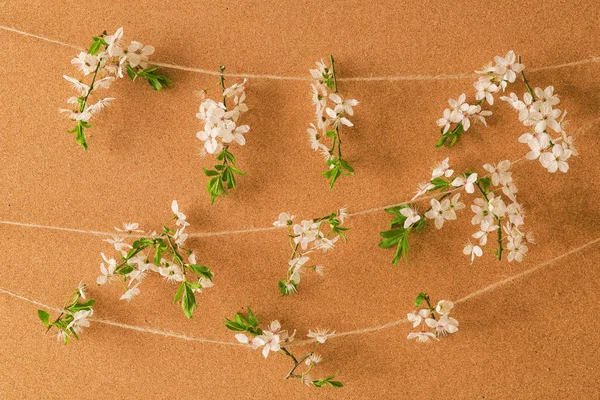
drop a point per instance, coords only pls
(526, 81)
(333, 73)
(296, 365)
(222, 83)
(500, 249)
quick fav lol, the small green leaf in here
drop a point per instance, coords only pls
(44, 317)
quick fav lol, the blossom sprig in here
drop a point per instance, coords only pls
(537, 110)
(102, 64)
(74, 317)
(433, 322)
(162, 253)
(496, 210)
(492, 78)
(274, 340)
(305, 238)
(331, 111)
(221, 130)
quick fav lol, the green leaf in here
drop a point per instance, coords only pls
(252, 320)
(346, 166)
(420, 299)
(210, 172)
(81, 306)
(179, 293)
(188, 302)
(202, 271)
(44, 317)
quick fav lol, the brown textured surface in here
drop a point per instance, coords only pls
(534, 338)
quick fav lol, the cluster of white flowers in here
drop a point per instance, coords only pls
(305, 238)
(274, 339)
(493, 77)
(437, 319)
(73, 318)
(101, 65)
(221, 126)
(331, 112)
(494, 212)
(136, 260)
(537, 110)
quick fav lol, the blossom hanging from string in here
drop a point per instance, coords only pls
(496, 210)
(433, 322)
(105, 61)
(161, 253)
(275, 340)
(332, 112)
(307, 237)
(73, 318)
(221, 130)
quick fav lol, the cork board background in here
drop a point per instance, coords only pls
(535, 337)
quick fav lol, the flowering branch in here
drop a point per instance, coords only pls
(493, 212)
(274, 339)
(161, 253)
(329, 120)
(105, 61)
(309, 232)
(220, 131)
(437, 318)
(73, 318)
(457, 119)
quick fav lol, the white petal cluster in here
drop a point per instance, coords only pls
(538, 111)
(331, 109)
(438, 320)
(221, 125)
(499, 211)
(270, 340)
(109, 64)
(307, 237)
(495, 76)
(141, 265)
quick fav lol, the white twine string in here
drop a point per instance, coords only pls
(392, 78)
(370, 329)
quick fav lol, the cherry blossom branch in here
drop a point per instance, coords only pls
(220, 130)
(273, 340)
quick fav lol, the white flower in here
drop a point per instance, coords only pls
(547, 95)
(412, 216)
(337, 119)
(320, 270)
(268, 341)
(129, 227)
(507, 67)
(449, 117)
(313, 359)
(114, 49)
(81, 88)
(485, 228)
(107, 272)
(180, 217)
(517, 249)
(85, 62)
(283, 220)
(80, 320)
(440, 212)
(180, 237)
(442, 169)
(556, 160)
(306, 232)
(468, 183)
(130, 293)
(81, 289)
(417, 317)
(474, 251)
(343, 106)
(325, 244)
(444, 307)
(443, 326)
(172, 273)
(343, 214)
(422, 337)
(482, 212)
(500, 174)
(320, 335)
(137, 54)
(485, 90)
